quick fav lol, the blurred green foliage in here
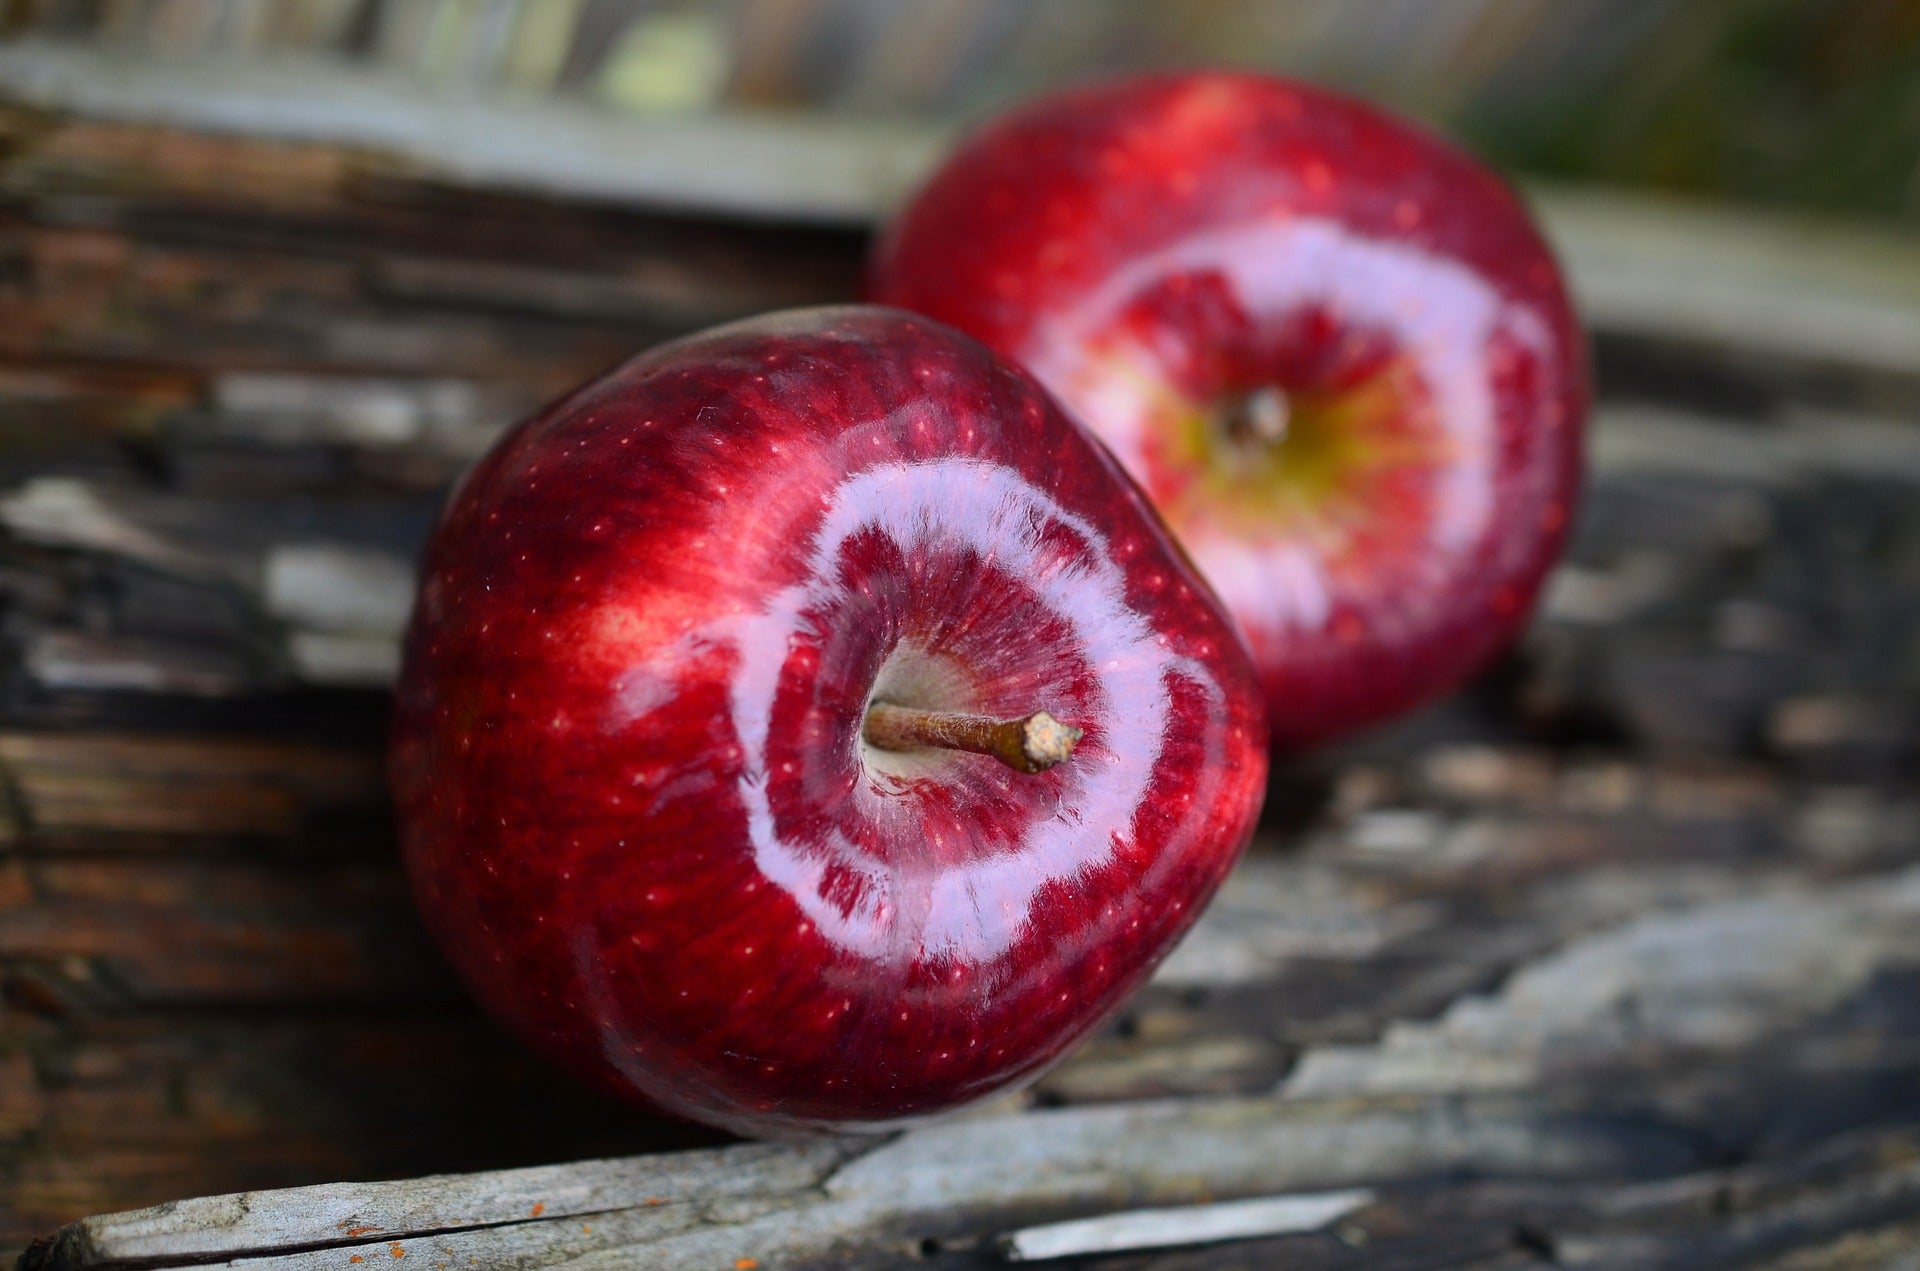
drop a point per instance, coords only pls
(1814, 105)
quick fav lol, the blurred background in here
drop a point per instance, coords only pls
(1809, 104)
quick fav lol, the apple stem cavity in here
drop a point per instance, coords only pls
(1032, 743)
(1260, 418)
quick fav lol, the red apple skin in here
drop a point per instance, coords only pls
(635, 801)
(1154, 248)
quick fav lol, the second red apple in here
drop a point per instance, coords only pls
(1333, 348)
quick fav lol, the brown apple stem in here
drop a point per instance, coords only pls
(1031, 744)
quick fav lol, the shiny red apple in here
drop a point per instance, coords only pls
(1333, 349)
(685, 753)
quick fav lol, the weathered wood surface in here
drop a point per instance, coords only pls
(1632, 1099)
(1611, 961)
(1776, 286)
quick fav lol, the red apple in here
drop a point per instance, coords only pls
(683, 755)
(1332, 348)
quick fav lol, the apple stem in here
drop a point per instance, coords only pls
(1260, 418)
(1033, 743)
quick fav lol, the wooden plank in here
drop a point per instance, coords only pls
(1727, 988)
(799, 169)
(1769, 285)
(109, 1100)
(229, 934)
(339, 1214)
(1040, 1163)
(1798, 289)
(1275, 959)
(191, 785)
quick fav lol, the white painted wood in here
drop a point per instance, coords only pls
(1186, 1225)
